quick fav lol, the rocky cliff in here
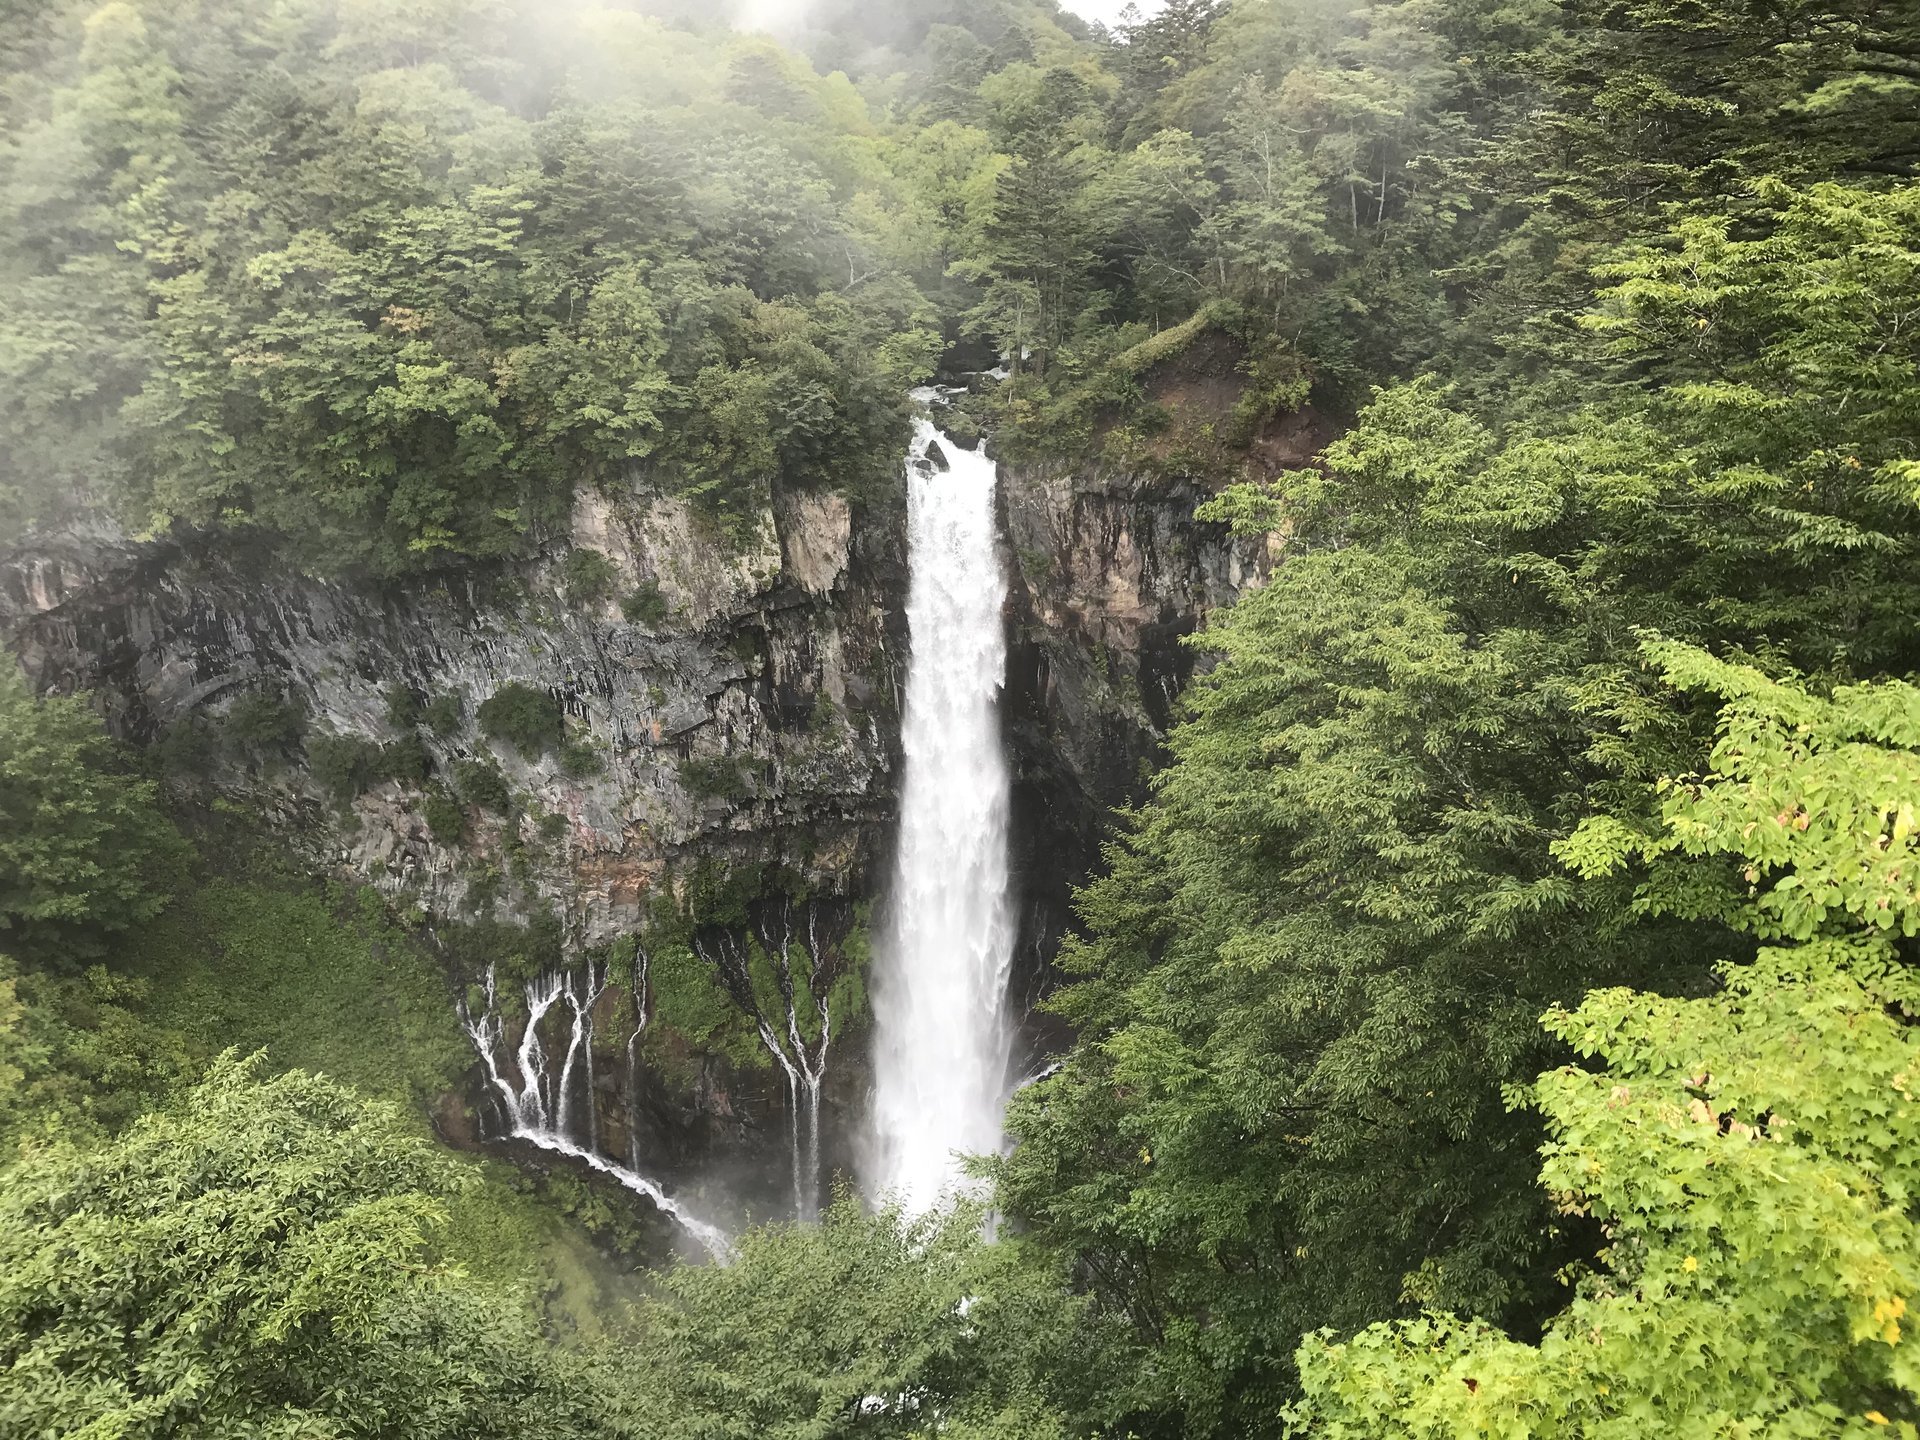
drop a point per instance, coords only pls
(1111, 573)
(729, 707)
(744, 711)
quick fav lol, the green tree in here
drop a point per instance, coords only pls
(258, 1261)
(868, 1325)
(1321, 950)
(1752, 1155)
(84, 851)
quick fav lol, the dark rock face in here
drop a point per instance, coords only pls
(752, 722)
(746, 720)
(1110, 572)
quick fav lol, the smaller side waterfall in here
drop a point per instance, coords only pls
(538, 1096)
(942, 1040)
(788, 995)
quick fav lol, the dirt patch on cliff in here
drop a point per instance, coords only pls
(1200, 389)
(1204, 380)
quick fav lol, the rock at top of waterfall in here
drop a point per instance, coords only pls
(937, 458)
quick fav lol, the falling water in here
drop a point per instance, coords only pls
(939, 990)
(538, 1100)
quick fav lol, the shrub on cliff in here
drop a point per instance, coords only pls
(346, 766)
(530, 720)
(646, 605)
(482, 784)
(265, 722)
(589, 577)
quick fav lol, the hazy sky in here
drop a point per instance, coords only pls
(1107, 10)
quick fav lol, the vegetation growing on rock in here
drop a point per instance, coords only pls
(1583, 688)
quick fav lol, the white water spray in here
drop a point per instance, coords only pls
(539, 1103)
(942, 1040)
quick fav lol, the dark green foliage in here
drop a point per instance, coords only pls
(1315, 969)
(1782, 1245)
(265, 722)
(343, 765)
(589, 577)
(720, 777)
(346, 766)
(446, 817)
(84, 850)
(1320, 955)
(515, 949)
(530, 720)
(581, 758)
(406, 760)
(406, 706)
(645, 605)
(388, 286)
(443, 715)
(479, 782)
(188, 747)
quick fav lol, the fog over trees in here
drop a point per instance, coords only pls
(1495, 1016)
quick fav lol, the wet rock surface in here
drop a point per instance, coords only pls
(745, 714)
(1110, 573)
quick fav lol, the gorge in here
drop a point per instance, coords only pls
(754, 738)
(863, 719)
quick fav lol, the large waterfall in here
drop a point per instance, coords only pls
(942, 1038)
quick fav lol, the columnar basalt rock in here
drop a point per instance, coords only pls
(1111, 572)
(743, 713)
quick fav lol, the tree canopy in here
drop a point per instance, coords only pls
(259, 1260)
(1582, 687)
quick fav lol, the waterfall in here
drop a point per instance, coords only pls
(793, 1015)
(538, 1099)
(942, 1039)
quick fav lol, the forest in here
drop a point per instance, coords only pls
(1499, 1015)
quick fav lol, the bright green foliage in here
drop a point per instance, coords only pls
(319, 980)
(87, 1055)
(1752, 1155)
(259, 1261)
(1818, 788)
(1320, 954)
(866, 1325)
(83, 850)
